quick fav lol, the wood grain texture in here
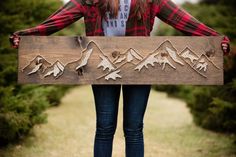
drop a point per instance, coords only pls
(120, 60)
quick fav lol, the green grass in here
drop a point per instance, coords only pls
(168, 131)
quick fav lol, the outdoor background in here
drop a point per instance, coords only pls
(59, 121)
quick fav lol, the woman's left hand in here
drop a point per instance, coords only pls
(225, 45)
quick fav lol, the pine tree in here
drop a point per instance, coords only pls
(21, 107)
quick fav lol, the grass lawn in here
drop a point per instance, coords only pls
(168, 131)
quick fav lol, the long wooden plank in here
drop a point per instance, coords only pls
(120, 60)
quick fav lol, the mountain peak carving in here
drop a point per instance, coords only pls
(164, 55)
(39, 63)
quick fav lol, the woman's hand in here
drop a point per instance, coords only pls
(225, 45)
(14, 40)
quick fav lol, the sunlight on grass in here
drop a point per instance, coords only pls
(168, 131)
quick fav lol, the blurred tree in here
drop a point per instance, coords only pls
(213, 107)
(21, 107)
(210, 1)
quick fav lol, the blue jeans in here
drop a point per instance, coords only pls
(106, 98)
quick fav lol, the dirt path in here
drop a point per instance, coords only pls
(169, 131)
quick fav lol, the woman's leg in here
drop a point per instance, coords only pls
(106, 101)
(135, 102)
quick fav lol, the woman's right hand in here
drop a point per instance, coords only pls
(14, 40)
(225, 45)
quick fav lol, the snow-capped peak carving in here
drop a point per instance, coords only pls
(129, 57)
(154, 59)
(188, 55)
(85, 59)
(105, 64)
(36, 68)
(57, 70)
(114, 75)
(149, 60)
(173, 55)
(202, 65)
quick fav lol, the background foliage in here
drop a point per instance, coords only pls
(213, 107)
(22, 106)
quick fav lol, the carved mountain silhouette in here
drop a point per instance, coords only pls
(199, 64)
(189, 56)
(123, 63)
(37, 65)
(83, 66)
(130, 56)
(165, 55)
(203, 64)
(56, 70)
(113, 75)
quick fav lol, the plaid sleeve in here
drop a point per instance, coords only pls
(66, 15)
(175, 16)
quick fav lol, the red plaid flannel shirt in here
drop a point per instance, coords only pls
(166, 10)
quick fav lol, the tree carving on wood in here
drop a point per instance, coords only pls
(114, 75)
(163, 57)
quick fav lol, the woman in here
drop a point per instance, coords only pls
(120, 18)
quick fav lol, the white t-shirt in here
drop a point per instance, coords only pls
(117, 26)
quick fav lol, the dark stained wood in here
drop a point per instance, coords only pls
(120, 60)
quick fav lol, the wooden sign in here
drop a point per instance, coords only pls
(120, 60)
